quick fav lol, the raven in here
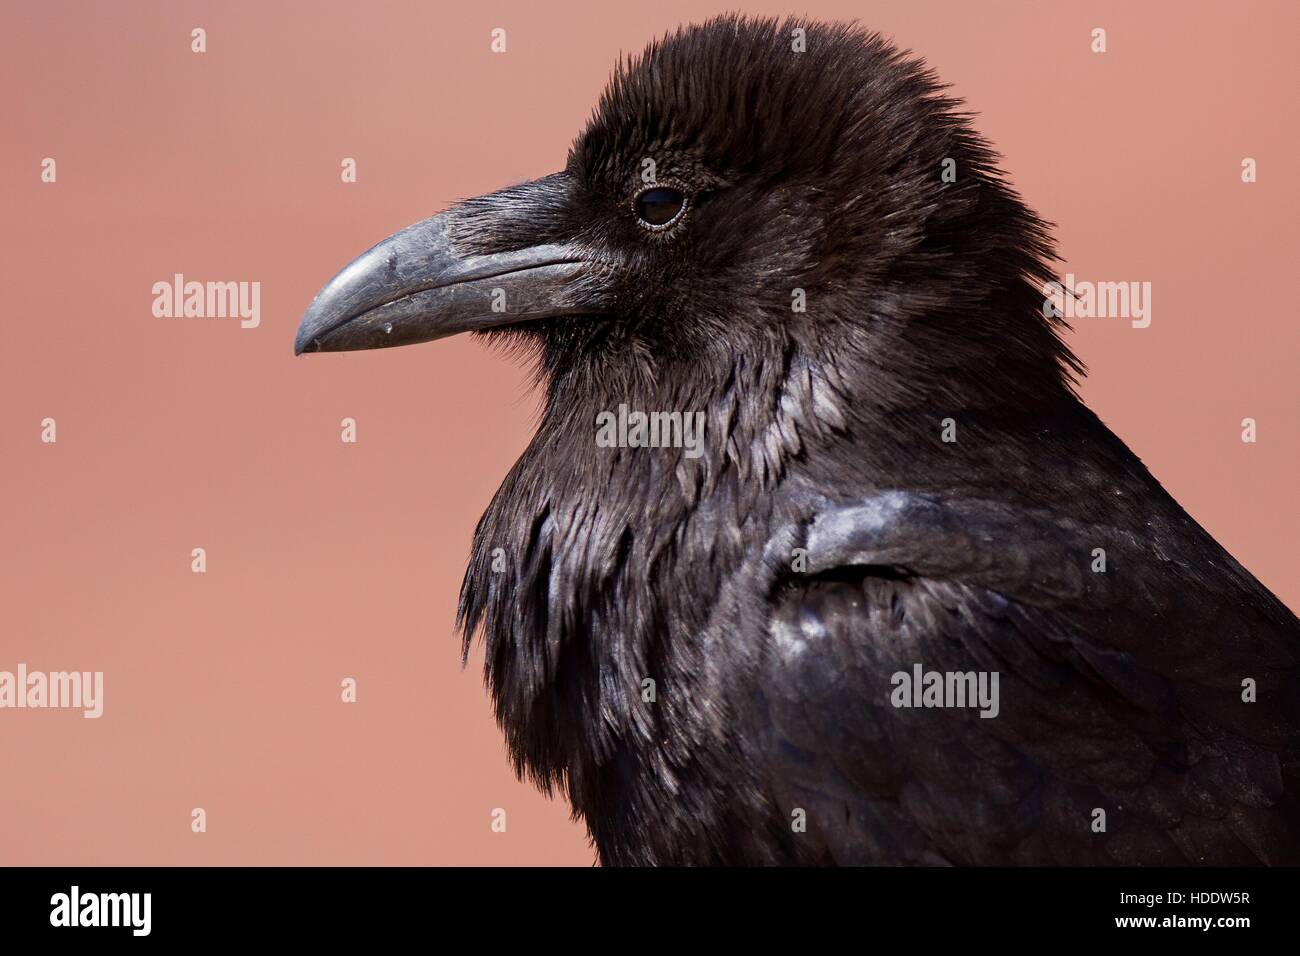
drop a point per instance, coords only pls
(908, 601)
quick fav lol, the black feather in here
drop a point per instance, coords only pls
(1120, 690)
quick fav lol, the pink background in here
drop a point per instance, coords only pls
(328, 560)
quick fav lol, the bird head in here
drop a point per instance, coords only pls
(744, 187)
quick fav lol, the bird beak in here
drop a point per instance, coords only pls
(415, 287)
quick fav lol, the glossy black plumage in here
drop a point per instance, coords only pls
(595, 569)
(1121, 690)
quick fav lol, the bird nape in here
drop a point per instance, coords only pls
(904, 599)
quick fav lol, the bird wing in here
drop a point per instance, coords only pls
(1124, 730)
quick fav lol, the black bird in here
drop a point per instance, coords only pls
(707, 649)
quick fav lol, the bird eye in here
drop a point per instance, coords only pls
(659, 206)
